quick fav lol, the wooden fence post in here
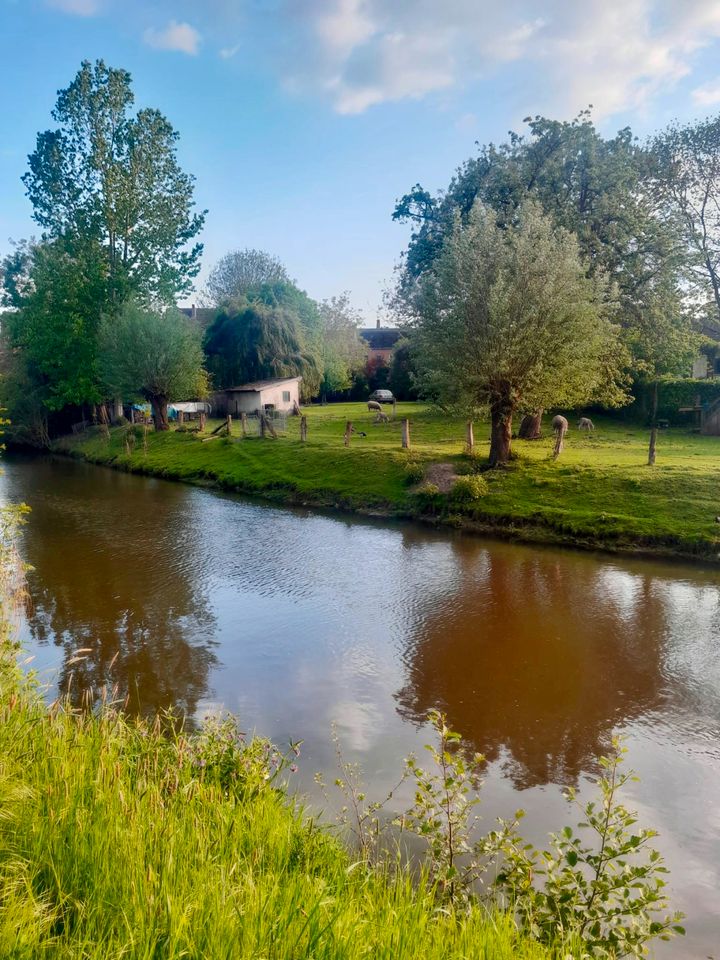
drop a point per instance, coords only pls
(181, 417)
(470, 436)
(202, 423)
(406, 434)
(263, 425)
(303, 428)
(243, 423)
(394, 408)
(228, 425)
(348, 432)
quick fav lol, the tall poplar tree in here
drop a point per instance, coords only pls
(112, 177)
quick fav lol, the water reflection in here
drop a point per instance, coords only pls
(538, 657)
(113, 574)
(194, 600)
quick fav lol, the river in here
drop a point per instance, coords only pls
(203, 602)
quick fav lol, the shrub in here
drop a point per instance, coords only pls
(428, 497)
(413, 472)
(469, 488)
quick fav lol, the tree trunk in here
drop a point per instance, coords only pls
(500, 433)
(303, 429)
(160, 413)
(406, 434)
(531, 426)
(117, 410)
(653, 426)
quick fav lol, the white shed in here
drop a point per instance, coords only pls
(259, 397)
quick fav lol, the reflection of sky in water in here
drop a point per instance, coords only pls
(296, 621)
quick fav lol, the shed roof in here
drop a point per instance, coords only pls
(257, 385)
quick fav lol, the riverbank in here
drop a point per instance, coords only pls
(599, 495)
(122, 838)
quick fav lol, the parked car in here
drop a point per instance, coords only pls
(382, 396)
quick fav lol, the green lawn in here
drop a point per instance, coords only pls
(600, 492)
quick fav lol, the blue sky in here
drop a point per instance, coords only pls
(304, 120)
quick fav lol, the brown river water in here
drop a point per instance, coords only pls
(201, 601)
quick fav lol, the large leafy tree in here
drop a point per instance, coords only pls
(112, 178)
(686, 173)
(152, 354)
(507, 317)
(55, 288)
(240, 272)
(597, 188)
(256, 341)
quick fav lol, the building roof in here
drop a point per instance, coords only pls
(258, 385)
(380, 338)
(204, 316)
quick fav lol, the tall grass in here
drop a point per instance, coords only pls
(125, 839)
(116, 843)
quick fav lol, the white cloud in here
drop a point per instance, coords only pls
(82, 8)
(175, 36)
(708, 94)
(227, 53)
(615, 54)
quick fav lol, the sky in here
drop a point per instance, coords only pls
(305, 120)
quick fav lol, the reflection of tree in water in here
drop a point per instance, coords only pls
(538, 657)
(114, 574)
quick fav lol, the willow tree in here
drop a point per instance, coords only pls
(507, 318)
(256, 342)
(153, 355)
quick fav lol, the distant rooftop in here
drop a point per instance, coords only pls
(261, 385)
(203, 315)
(380, 338)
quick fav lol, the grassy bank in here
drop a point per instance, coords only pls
(119, 840)
(600, 493)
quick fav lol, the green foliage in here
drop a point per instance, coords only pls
(342, 352)
(598, 189)
(685, 168)
(52, 333)
(599, 898)
(676, 393)
(403, 372)
(445, 797)
(414, 472)
(469, 488)
(155, 355)
(507, 316)
(256, 342)
(606, 891)
(112, 180)
(238, 273)
(127, 838)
